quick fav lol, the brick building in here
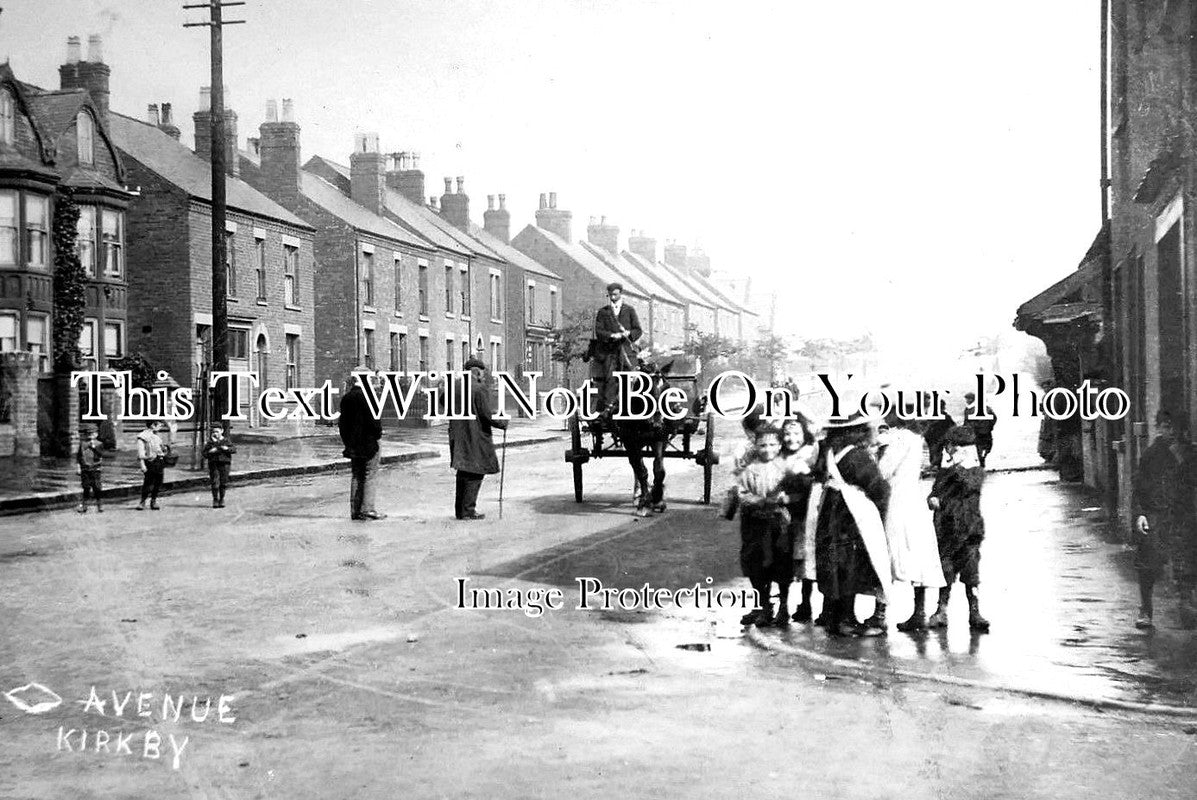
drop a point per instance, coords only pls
(698, 310)
(270, 263)
(55, 144)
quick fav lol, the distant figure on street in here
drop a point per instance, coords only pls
(1164, 523)
(151, 455)
(936, 430)
(982, 428)
(219, 453)
(616, 329)
(89, 463)
(471, 448)
(360, 433)
(959, 527)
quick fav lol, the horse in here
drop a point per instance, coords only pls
(650, 434)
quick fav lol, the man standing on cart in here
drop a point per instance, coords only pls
(616, 329)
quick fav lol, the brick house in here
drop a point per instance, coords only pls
(270, 263)
(55, 144)
(698, 306)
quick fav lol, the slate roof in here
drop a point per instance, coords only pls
(510, 254)
(56, 111)
(632, 271)
(333, 200)
(175, 163)
(1069, 290)
(680, 288)
(709, 298)
(590, 262)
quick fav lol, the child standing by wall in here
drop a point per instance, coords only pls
(219, 452)
(766, 549)
(959, 527)
(799, 452)
(90, 460)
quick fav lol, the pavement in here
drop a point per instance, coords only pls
(348, 667)
(37, 484)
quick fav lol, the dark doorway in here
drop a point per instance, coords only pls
(1171, 325)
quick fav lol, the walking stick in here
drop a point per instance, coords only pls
(502, 473)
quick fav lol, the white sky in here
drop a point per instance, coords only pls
(915, 168)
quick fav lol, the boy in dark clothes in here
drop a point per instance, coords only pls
(89, 461)
(766, 545)
(219, 452)
(959, 527)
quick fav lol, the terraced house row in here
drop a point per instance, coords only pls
(333, 260)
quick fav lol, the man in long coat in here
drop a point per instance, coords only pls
(471, 448)
(360, 432)
(1163, 511)
(616, 329)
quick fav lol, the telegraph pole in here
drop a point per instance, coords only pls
(220, 278)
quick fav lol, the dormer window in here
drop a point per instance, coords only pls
(85, 128)
(8, 111)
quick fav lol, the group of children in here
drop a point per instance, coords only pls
(840, 505)
(152, 455)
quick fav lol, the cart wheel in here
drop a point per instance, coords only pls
(579, 456)
(710, 459)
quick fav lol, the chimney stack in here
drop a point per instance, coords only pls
(643, 245)
(406, 178)
(603, 236)
(675, 255)
(497, 222)
(559, 222)
(167, 123)
(699, 262)
(455, 206)
(280, 162)
(92, 75)
(367, 173)
(272, 110)
(203, 131)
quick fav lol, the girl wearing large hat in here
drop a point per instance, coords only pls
(850, 550)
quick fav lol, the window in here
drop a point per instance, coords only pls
(496, 352)
(368, 347)
(552, 308)
(230, 261)
(8, 332)
(87, 343)
(496, 296)
(394, 351)
(290, 275)
(114, 339)
(465, 293)
(423, 290)
(448, 289)
(531, 304)
(85, 133)
(465, 353)
(8, 228)
(292, 360)
(449, 355)
(86, 241)
(368, 279)
(37, 217)
(398, 285)
(113, 234)
(238, 343)
(403, 352)
(8, 116)
(37, 337)
(260, 266)
(423, 354)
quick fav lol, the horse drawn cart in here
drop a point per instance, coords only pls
(691, 438)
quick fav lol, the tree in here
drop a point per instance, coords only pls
(69, 279)
(771, 352)
(571, 339)
(826, 353)
(707, 348)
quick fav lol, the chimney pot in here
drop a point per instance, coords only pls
(166, 114)
(365, 143)
(502, 202)
(74, 50)
(603, 221)
(272, 110)
(415, 160)
(95, 49)
(288, 110)
(460, 184)
(432, 202)
(490, 202)
(205, 100)
(448, 186)
(544, 203)
(552, 199)
(151, 115)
